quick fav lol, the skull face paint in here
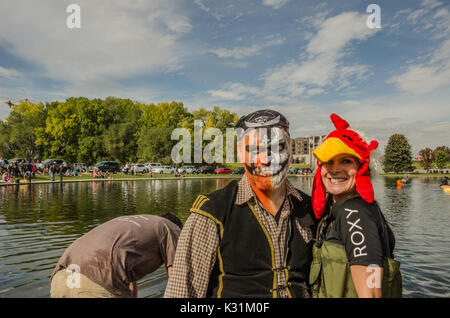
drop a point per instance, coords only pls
(266, 155)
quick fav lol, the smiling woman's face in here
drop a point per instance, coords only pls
(338, 175)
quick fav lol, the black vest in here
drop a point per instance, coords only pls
(245, 265)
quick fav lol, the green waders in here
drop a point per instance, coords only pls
(330, 275)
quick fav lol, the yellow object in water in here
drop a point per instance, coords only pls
(446, 189)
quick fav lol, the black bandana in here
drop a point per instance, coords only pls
(265, 118)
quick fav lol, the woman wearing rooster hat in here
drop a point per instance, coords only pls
(353, 253)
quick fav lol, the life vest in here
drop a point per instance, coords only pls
(330, 275)
(245, 265)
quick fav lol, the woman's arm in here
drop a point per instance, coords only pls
(367, 280)
(133, 288)
(359, 229)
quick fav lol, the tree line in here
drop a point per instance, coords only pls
(92, 130)
(398, 156)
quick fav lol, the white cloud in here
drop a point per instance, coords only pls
(234, 91)
(314, 21)
(322, 65)
(431, 3)
(117, 39)
(426, 7)
(275, 4)
(336, 32)
(245, 51)
(9, 73)
(421, 77)
(430, 17)
(178, 24)
(421, 118)
(236, 64)
(424, 78)
(201, 5)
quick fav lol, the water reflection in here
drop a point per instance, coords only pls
(38, 222)
(419, 214)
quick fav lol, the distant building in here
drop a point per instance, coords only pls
(302, 148)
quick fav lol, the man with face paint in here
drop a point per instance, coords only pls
(252, 238)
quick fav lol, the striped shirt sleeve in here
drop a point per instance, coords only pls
(194, 258)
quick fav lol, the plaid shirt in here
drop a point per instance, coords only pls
(199, 241)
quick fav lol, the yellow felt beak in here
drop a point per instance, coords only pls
(332, 147)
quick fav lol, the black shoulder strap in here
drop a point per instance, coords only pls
(387, 234)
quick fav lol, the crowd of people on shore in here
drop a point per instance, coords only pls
(17, 169)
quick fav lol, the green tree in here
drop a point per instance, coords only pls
(62, 129)
(216, 118)
(444, 149)
(6, 148)
(18, 138)
(164, 115)
(92, 123)
(427, 158)
(440, 159)
(157, 123)
(123, 119)
(89, 130)
(155, 145)
(397, 154)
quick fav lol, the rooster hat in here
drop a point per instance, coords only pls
(342, 140)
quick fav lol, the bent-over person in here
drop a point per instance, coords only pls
(107, 261)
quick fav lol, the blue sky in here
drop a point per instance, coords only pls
(305, 59)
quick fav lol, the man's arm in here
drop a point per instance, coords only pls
(194, 258)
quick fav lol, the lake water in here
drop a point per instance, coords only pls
(38, 222)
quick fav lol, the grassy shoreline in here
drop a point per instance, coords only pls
(86, 177)
(45, 179)
(411, 175)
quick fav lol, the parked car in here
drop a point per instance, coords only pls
(18, 160)
(304, 171)
(80, 166)
(164, 169)
(293, 170)
(151, 165)
(110, 166)
(48, 162)
(206, 170)
(4, 163)
(140, 168)
(240, 170)
(223, 171)
(187, 170)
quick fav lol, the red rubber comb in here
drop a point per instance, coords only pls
(338, 122)
(373, 145)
